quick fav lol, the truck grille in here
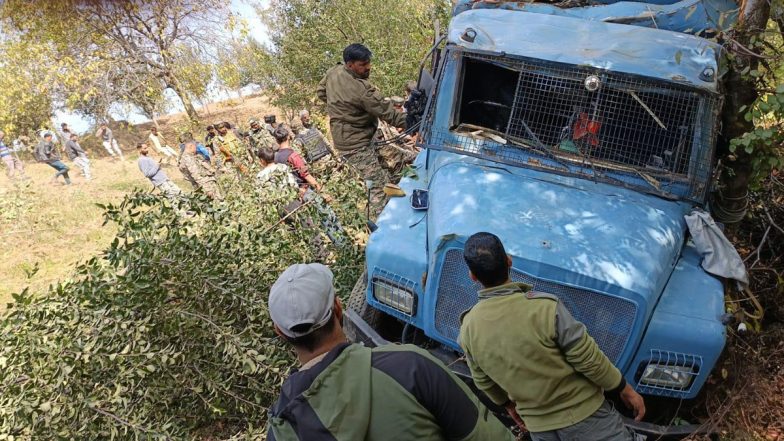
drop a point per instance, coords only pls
(609, 320)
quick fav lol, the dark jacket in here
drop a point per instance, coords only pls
(354, 107)
(46, 152)
(74, 150)
(389, 393)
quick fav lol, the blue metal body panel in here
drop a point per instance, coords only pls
(696, 17)
(654, 53)
(594, 236)
(686, 320)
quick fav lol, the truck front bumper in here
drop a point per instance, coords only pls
(360, 332)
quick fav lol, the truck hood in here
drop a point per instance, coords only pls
(567, 230)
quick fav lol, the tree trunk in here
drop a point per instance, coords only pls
(731, 198)
(175, 85)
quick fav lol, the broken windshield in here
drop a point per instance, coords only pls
(645, 133)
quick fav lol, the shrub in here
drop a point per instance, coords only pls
(167, 333)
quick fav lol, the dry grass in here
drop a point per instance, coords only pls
(56, 226)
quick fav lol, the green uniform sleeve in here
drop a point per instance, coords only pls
(482, 381)
(321, 90)
(582, 352)
(374, 104)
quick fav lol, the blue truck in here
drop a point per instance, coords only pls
(581, 135)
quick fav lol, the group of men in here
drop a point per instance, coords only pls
(48, 151)
(226, 149)
(524, 349)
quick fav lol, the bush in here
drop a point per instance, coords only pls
(167, 334)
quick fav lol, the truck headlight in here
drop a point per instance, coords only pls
(667, 376)
(394, 295)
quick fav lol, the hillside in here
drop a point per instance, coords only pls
(52, 227)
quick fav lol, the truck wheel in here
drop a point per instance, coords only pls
(357, 301)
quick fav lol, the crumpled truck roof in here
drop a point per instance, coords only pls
(653, 53)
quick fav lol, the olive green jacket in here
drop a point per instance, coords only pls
(526, 347)
(389, 393)
(354, 107)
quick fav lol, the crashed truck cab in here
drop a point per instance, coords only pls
(581, 137)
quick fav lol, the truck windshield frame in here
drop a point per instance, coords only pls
(642, 133)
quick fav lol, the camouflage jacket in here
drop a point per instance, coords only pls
(229, 143)
(354, 107)
(261, 138)
(195, 170)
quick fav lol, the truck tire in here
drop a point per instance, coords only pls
(357, 302)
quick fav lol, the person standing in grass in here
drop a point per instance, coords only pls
(46, 152)
(109, 143)
(13, 164)
(199, 172)
(152, 171)
(160, 145)
(78, 156)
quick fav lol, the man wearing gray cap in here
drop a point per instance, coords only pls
(346, 391)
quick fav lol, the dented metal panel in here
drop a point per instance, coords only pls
(697, 17)
(654, 53)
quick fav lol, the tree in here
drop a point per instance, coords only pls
(753, 114)
(134, 43)
(309, 37)
(25, 93)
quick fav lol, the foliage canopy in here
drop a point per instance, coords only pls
(309, 37)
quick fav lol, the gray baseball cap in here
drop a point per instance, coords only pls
(302, 295)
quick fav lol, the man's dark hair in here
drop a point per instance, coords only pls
(63, 124)
(139, 145)
(486, 258)
(73, 135)
(311, 341)
(210, 127)
(47, 135)
(266, 154)
(281, 134)
(356, 52)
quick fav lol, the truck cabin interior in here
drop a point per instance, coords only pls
(625, 120)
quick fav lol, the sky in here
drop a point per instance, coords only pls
(245, 10)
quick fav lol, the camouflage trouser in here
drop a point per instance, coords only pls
(395, 156)
(170, 190)
(327, 217)
(365, 162)
(210, 187)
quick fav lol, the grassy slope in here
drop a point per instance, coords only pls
(56, 226)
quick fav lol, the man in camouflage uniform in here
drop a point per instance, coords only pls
(260, 137)
(231, 146)
(198, 172)
(354, 107)
(308, 139)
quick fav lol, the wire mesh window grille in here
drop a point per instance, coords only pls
(584, 120)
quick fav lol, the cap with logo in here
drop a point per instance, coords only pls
(301, 300)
